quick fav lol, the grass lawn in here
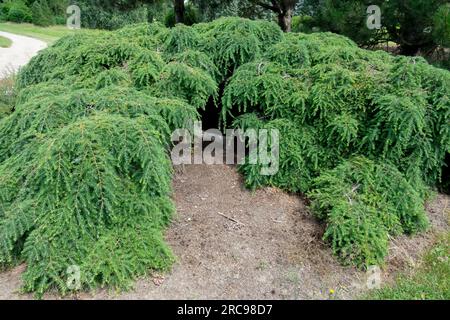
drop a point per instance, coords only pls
(46, 34)
(431, 280)
(5, 42)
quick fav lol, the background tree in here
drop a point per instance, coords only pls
(441, 24)
(179, 10)
(114, 14)
(213, 9)
(346, 17)
(415, 25)
(283, 8)
(411, 24)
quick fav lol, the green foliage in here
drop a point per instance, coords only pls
(345, 17)
(39, 12)
(84, 167)
(15, 11)
(115, 76)
(145, 68)
(214, 9)
(42, 14)
(154, 30)
(441, 21)
(265, 87)
(199, 60)
(111, 15)
(300, 155)
(92, 122)
(417, 26)
(190, 84)
(304, 24)
(363, 203)
(342, 104)
(181, 38)
(43, 108)
(290, 52)
(410, 126)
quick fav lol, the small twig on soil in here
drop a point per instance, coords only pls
(229, 218)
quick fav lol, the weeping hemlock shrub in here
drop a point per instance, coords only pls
(363, 134)
(84, 167)
(363, 203)
(85, 172)
(81, 194)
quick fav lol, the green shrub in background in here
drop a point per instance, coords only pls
(111, 15)
(441, 23)
(57, 10)
(39, 12)
(304, 24)
(232, 42)
(84, 156)
(42, 14)
(333, 103)
(363, 203)
(15, 11)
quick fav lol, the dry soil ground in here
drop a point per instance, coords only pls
(235, 244)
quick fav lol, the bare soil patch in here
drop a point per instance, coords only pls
(232, 243)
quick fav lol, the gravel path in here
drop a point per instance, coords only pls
(21, 51)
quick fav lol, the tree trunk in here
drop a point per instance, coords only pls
(179, 11)
(285, 20)
(284, 8)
